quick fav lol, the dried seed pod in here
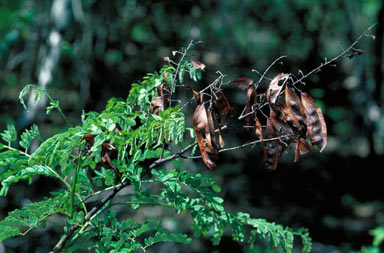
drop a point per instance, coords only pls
(259, 128)
(302, 147)
(272, 149)
(251, 100)
(293, 112)
(282, 129)
(205, 133)
(162, 101)
(221, 106)
(317, 129)
(275, 87)
(156, 106)
(221, 109)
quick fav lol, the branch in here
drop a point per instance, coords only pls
(241, 146)
(315, 70)
(326, 62)
(269, 67)
(177, 70)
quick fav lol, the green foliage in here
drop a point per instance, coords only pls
(25, 173)
(125, 236)
(127, 137)
(378, 238)
(28, 136)
(9, 135)
(38, 92)
(31, 216)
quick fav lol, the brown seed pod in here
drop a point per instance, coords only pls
(317, 129)
(205, 133)
(275, 87)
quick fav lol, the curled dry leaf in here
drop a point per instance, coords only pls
(317, 129)
(205, 133)
(198, 65)
(162, 101)
(221, 109)
(243, 83)
(275, 87)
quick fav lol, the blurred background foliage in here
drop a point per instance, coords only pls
(86, 51)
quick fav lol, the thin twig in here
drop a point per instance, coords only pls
(174, 85)
(326, 62)
(242, 146)
(269, 67)
(214, 83)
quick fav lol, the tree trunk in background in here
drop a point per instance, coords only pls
(60, 17)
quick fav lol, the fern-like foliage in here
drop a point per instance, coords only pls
(20, 221)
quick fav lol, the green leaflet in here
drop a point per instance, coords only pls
(28, 135)
(10, 134)
(57, 150)
(12, 162)
(167, 237)
(30, 216)
(23, 174)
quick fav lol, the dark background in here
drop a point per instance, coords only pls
(107, 45)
